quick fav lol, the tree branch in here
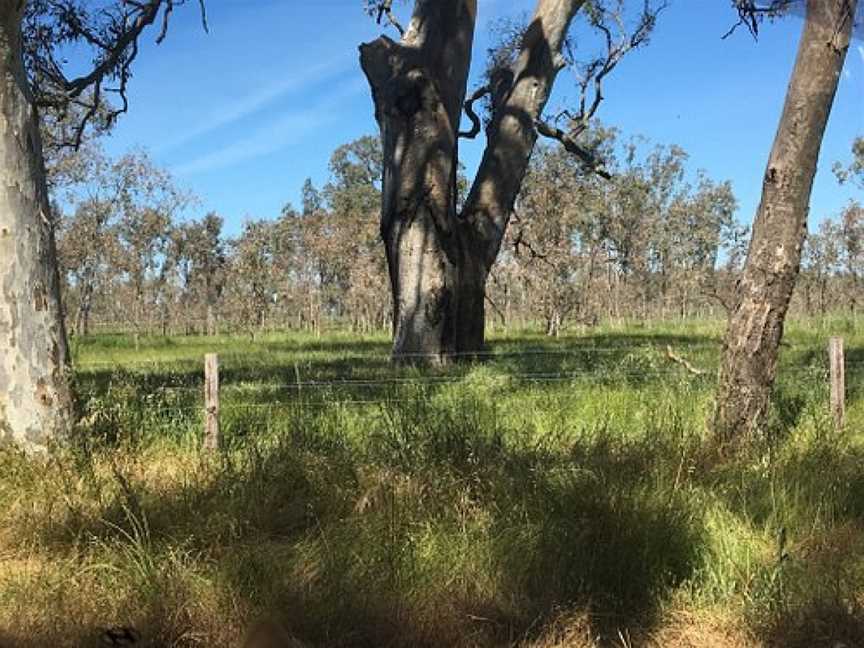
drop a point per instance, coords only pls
(385, 10)
(618, 44)
(588, 159)
(684, 362)
(750, 14)
(476, 124)
(113, 32)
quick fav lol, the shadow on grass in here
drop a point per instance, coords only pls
(821, 625)
(432, 529)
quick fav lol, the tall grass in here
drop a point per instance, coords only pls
(535, 500)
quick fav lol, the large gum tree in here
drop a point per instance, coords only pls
(439, 256)
(36, 400)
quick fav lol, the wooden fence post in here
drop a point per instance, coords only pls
(211, 401)
(838, 381)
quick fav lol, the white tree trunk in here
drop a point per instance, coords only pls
(35, 394)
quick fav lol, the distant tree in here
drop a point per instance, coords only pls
(854, 170)
(645, 242)
(851, 240)
(755, 328)
(821, 260)
(206, 250)
(85, 249)
(700, 224)
(312, 200)
(255, 270)
(551, 236)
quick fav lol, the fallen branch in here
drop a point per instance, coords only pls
(684, 362)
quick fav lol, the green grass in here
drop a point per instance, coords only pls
(559, 493)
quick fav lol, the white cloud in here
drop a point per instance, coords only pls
(253, 103)
(275, 135)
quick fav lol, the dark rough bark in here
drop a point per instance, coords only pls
(749, 363)
(35, 394)
(439, 260)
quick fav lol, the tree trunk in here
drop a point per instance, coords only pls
(82, 320)
(35, 392)
(439, 260)
(755, 327)
(419, 86)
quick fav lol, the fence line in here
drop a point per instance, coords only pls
(834, 370)
(386, 357)
(447, 380)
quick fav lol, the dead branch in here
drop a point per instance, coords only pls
(385, 10)
(476, 125)
(497, 310)
(751, 13)
(618, 43)
(684, 362)
(588, 159)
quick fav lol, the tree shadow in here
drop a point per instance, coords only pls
(333, 537)
(821, 625)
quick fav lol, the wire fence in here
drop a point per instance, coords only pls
(318, 378)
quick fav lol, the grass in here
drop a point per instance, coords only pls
(558, 494)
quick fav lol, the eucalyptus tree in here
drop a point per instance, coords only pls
(821, 260)
(36, 403)
(255, 260)
(204, 258)
(755, 329)
(439, 257)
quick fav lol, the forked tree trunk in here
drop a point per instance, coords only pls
(749, 363)
(439, 260)
(35, 393)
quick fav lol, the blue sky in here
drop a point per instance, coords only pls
(242, 115)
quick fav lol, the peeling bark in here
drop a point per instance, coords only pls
(35, 393)
(755, 328)
(439, 260)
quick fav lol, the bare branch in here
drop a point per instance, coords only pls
(588, 159)
(519, 242)
(618, 43)
(384, 8)
(684, 362)
(712, 292)
(752, 12)
(476, 124)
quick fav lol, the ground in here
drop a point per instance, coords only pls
(561, 493)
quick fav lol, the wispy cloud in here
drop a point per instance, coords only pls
(274, 135)
(251, 104)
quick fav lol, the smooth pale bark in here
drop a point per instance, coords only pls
(755, 328)
(35, 396)
(439, 260)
